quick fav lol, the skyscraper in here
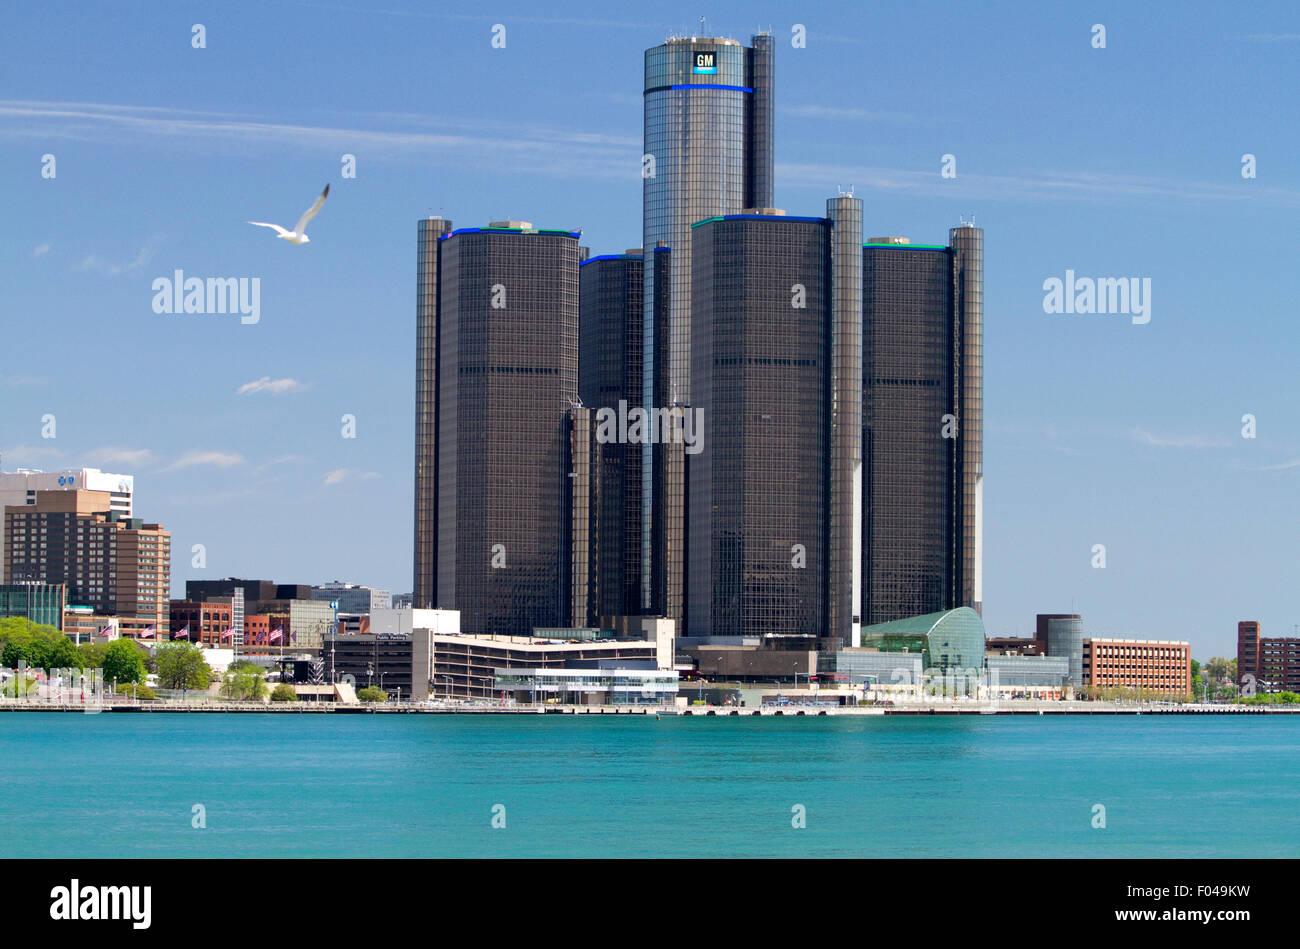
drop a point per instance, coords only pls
(610, 375)
(769, 320)
(493, 476)
(922, 425)
(429, 234)
(20, 487)
(116, 565)
(708, 151)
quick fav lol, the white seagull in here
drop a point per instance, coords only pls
(298, 234)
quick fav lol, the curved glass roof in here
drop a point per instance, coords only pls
(951, 639)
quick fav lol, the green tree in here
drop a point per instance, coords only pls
(1219, 669)
(123, 662)
(1196, 668)
(244, 685)
(372, 693)
(41, 647)
(181, 666)
(284, 693)
(92, 654)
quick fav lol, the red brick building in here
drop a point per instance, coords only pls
(1266, 664)
(1155, 665)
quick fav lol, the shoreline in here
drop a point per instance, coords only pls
(312, 708)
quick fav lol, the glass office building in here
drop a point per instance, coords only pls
(41, 603)
(708, 151)
(922, 445)
(506, 379)
(609, 374)
(767, 324)
(429, 234)
(1061, 635)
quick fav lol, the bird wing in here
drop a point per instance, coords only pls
(312, 211)
(278, 229)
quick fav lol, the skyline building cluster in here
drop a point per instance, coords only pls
(804, 453)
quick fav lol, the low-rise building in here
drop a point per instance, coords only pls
(202, 621)
(1151, 665)
(590, 686)
(467, 666)
(1266, 663)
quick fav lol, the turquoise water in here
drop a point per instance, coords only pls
(586, 786)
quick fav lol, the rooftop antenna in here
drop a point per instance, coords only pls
(843, 193)
(703, 31)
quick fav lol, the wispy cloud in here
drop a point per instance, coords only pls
(817, 111)
(339, 475)
(487, 142)
(40, 250)
(194, 458)
(1030, 186)
(273, 386)
(20, 382)
(134, 457)
(109, 269)
(1144, 437)
(1293, 463)
(482, 18)
(28, 454)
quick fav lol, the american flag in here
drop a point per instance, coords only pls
(277, 634)
(147, 633)
(228, 634)
(184, 633)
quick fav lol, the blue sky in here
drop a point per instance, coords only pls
(1123, 161)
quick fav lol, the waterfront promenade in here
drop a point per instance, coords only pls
(1004, 707)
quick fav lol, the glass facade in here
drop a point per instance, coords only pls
(845, 440)
(426, 409)
(709, 131)
(507, 379)
(610, 372)
(1063, 635)
(39, 602)
(922, 382)
(951, 639)
(758, 536)
(968, 305)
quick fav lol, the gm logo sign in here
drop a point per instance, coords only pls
(706, 62)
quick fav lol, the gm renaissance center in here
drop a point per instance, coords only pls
(808, 457)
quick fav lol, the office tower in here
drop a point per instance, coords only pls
(116, 565)
(708, 151)
(922, 383)
(582, 517)
(352, 597)
(429, 234)
(769, 331)
(1061, 635)
(20, 487)
(499, 333)
(609, 377)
